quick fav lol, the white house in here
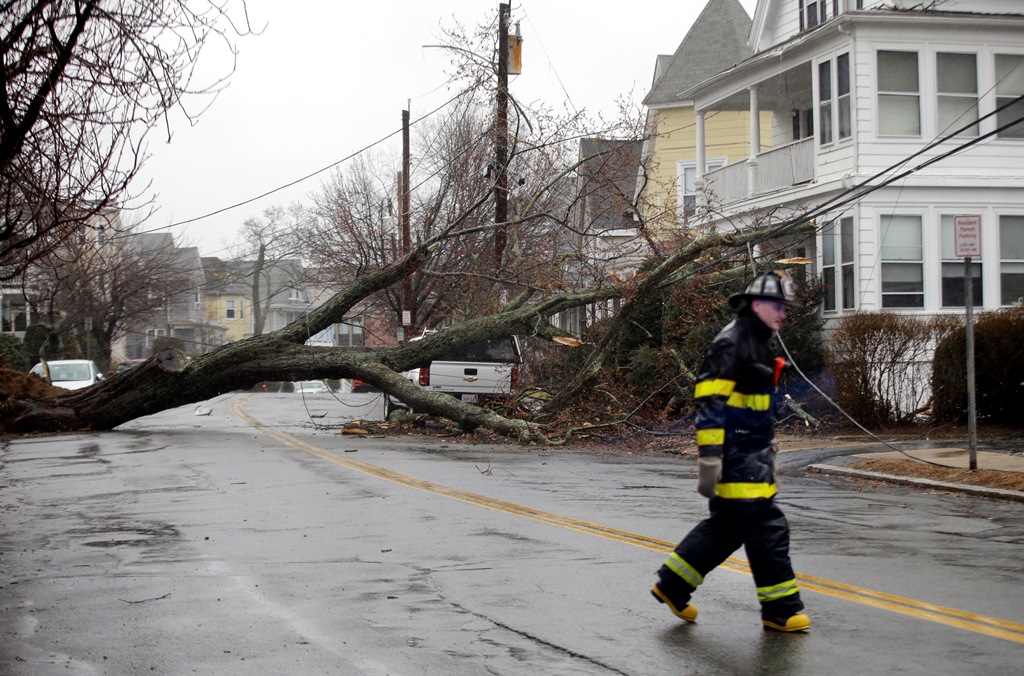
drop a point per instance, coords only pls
(860, 92)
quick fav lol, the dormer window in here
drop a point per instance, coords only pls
(812, 13)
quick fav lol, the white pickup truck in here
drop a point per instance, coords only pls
(487, 369)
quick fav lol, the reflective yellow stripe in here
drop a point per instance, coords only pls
(711, 437)
(756, 402)
(684, 570)
(707, 388)
(744, 490)
(777, 591)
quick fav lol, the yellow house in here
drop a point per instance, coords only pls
(669, 189)
(231, 311)
(227, 299)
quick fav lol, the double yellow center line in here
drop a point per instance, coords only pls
(989, 626)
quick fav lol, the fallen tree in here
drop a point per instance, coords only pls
(167, 380)
(555, 254)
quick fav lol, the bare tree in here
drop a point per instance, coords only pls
(266, 258)
(95, 289)
(83, 83)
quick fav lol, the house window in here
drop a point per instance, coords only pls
(686, 190)
(953, 285)
(838, 270)
(350, 332)
(825, 102)
(1011, 260)
(229, 310)
(812, 13)
(834, 101)
(902, 263)
(843, 98)
(1009, 86)
(899, 105)
(295, 295)
(957, 92)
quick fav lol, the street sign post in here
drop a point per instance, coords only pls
(967, 245)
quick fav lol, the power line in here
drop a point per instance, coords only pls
(307, 176)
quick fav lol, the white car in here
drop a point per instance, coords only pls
(311, 387)
(71, 374)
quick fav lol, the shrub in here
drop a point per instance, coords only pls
(13, 353)
(880, 364)
(998, 367)
(39, 341)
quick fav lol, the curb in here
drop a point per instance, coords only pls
(1000, 493)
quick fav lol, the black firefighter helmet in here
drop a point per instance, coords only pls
(777, 286)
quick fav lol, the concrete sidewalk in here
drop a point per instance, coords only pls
(949, 457)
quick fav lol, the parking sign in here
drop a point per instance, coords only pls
(967, 236)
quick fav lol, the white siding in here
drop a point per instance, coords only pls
(986, 179)
(931, 203)
(991, 159)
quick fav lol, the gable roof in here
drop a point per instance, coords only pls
(716, 41)
(228, 278)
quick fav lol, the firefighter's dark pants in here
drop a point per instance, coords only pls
(761, 527)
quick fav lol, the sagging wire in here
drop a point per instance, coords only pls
(792, 362)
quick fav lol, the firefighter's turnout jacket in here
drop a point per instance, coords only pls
(735, 412)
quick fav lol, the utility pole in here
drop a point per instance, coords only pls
(501, 139)
(407, 299)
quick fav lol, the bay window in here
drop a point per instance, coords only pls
(902, 262)
(1009, 86)
(837, 266)
(834, 100)
(899, 104)
(957, 92)
(1011, 259)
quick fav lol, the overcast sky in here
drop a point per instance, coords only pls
(326, 78)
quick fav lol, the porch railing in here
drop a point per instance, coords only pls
(789, 165)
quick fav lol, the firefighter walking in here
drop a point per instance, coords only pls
(736, 464)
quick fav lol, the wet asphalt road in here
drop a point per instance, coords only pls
(250, 542)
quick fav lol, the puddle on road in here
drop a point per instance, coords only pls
(128, 536)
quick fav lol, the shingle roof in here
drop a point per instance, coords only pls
(225, 277)
(716, 41)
